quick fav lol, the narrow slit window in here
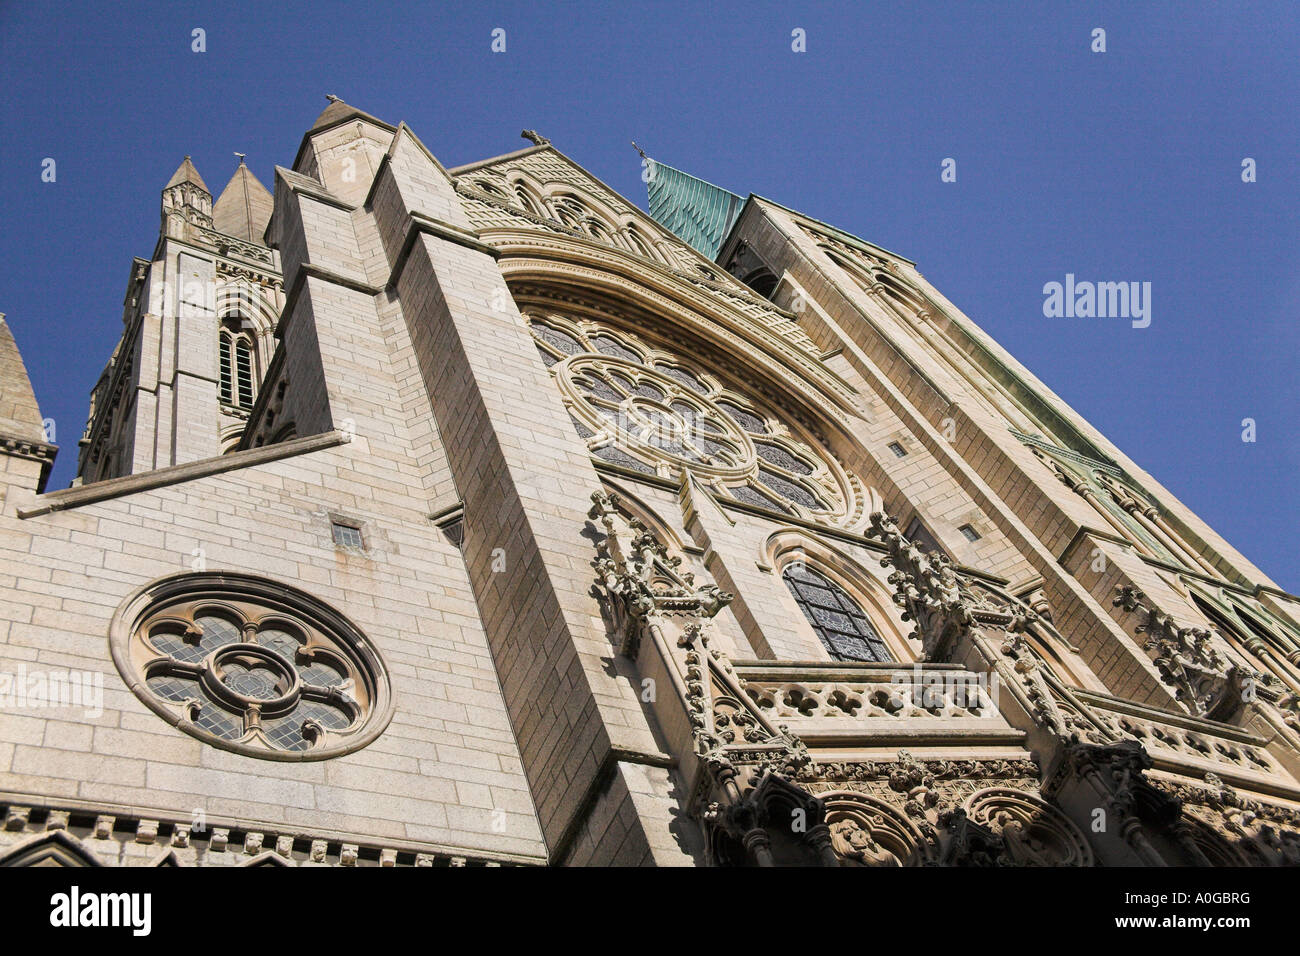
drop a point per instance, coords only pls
(227, 377)
(244, 372)
(969, 533)
(898, 450)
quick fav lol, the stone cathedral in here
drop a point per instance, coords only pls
(473, 517)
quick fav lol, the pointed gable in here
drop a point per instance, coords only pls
(20, 417)
(243, 208)
(186, 173)
(339, 112)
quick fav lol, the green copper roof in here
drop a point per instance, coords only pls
(698, 212)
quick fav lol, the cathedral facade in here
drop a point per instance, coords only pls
(473, 517)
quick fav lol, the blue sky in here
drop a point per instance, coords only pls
(1122, 166)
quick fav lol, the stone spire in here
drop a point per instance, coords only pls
(244, 207)
(339, 112)
(22, 429)
(185, 200)
(186, 173)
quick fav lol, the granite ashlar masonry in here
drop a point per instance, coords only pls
(470, 516)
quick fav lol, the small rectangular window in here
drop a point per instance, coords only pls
(898, 450)
(969, 533)
(347, 536)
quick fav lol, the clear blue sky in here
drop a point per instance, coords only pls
(1117, 166)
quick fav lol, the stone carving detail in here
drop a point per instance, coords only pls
(747, 765)
(893, 698)
(855, 845)
(1032, 831)
(79, 838)
(229, 245)
(649, 410)
(925, 587)
(942, 603)
(913, 808)
(867, 831)
(642, 579)
(1203, 680)
(1116, 773)
(1236, 830)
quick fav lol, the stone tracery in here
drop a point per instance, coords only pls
(652, 411)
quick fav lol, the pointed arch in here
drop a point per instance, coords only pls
(794, 548)
(637, 242)
(527, 191)
(267, 858)
(52, 848)
(634, 506)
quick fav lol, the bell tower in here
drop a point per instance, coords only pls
(198, 332)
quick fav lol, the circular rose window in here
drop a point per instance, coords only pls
(650, 410)
(252, 666)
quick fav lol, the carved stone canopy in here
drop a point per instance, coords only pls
(1204, 681)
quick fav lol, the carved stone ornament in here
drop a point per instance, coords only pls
(1203, 680)
(748, 765)
(869, 831)
(641, 579)
(943, 603)
(1231, 829)
(1032, 831)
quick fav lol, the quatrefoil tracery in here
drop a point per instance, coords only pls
(265, 682)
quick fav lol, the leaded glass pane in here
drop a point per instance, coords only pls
(748, 420)
(751, 495)
(174, 687)
(280, 641)
(618, 457)
(561, 341)
(788, 489)
(320, 674)
(218, 723)
(598, 387)
(782, 458)
(286, 732)
(841, 625)
(610, 346)
(255, 680)
(683, 377)
(217, 632)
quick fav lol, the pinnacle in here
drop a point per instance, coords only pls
(186, 173)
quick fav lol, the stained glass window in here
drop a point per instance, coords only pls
(647, 409)
(265, 674)
(840, 623)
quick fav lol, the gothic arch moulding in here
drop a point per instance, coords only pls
(1033, 832)
(632, 505)
(789, 546)
(731, 331)
(866, 831)
(651, 409)
(52, 848)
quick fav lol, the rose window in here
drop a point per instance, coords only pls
(650, 411)
(270, 673)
